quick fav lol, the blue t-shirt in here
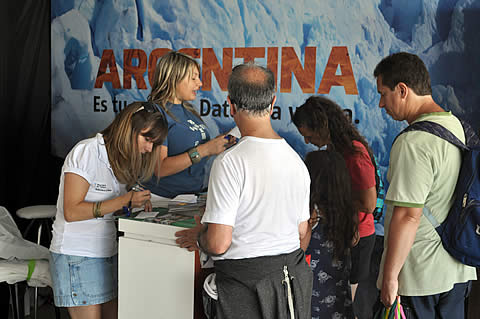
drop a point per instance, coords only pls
(184, 132)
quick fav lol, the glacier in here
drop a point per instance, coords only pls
(441, 32)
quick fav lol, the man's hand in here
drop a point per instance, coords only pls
(389, 292)
(188, 238)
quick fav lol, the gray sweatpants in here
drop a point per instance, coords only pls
(257, 287)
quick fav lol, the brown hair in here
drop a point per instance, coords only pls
(331, 195)
(326, 118)
(121, 136)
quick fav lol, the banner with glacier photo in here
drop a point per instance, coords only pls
(104, 54)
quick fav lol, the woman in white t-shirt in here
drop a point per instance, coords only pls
(93, 185)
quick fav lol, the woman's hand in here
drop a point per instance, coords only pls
(217, 145)
(148, 206)
(169, 165)
(356, 238)
(313, 218)
(139, 199)
(75, 208)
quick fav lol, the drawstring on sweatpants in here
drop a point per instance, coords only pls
(286, 280)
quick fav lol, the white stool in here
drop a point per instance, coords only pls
(42, 214)
(38, 213)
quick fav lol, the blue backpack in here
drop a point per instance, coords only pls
(460, 232)
(378, 212)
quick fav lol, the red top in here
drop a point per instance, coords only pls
(362, 173)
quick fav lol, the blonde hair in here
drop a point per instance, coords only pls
(172, 68)
(121, 142)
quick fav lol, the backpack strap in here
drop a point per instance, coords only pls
(428, 214)
(437, 130)
(378, 212)
(471, 138)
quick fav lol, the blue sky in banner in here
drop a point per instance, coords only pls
(442, 32)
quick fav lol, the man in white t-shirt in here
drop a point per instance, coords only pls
(422, 174)
(257, 211)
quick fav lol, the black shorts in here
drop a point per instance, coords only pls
(361, 257)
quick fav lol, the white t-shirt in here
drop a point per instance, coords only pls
(261, 187)
(92, 237)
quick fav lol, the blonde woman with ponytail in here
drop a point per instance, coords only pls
(96, 181)
(183, 155)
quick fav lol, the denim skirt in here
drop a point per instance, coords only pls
(83, 281)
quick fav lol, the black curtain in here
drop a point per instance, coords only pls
(29, 173)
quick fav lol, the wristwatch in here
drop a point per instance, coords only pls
(194, 155)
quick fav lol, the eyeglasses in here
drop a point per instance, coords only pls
(147, 106)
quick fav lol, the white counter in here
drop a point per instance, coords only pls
(156, 277)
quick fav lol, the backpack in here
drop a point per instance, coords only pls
(378, 212)
(460, 232)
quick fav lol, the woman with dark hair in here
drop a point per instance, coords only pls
(323, 123)
(96, 181)
(333, 228)
(183, 155)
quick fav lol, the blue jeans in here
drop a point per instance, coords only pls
(83, 281)
(446, 305)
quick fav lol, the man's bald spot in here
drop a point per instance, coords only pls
(254, 75)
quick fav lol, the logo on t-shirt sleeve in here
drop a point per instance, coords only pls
(102, 187)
